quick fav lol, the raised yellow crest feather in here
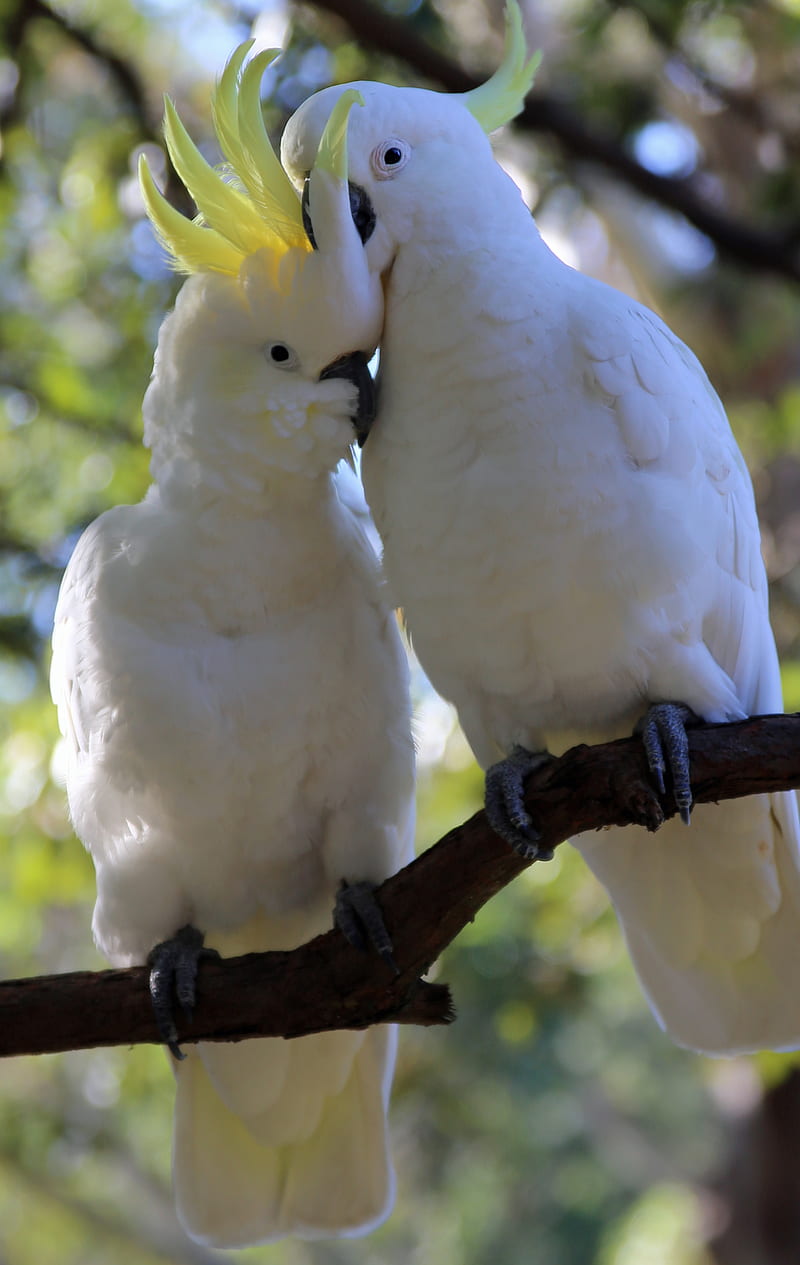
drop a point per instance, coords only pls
(502, 97)
(260, 211)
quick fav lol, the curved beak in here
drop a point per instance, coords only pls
(331, 161)
(362, 212)
(354, 368)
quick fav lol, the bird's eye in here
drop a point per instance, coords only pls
(390, 157)
(280, 355)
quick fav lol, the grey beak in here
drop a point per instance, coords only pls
(361, 211)
(354, 368)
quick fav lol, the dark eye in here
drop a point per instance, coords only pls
(280, 355)
(390, 157)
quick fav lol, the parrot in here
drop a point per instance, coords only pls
(570, 530)
(231, 682)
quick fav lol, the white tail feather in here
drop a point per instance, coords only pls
(710, 916)
(233, 1191)
(280, 1088)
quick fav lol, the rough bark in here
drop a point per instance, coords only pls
(326, 983)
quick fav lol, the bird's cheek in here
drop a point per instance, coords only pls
(381, 251)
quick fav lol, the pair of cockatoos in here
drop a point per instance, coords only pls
(570, 530)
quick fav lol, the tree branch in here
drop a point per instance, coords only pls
(746, 244)
(122, 72)
(327, 984)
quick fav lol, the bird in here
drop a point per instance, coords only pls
(570, 530)
(231, 683)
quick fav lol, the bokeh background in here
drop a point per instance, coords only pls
(553, 1124)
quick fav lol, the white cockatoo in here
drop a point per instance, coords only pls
(570, 530)
(230, 681)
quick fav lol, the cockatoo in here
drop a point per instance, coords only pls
(230, 680)
(570, 530)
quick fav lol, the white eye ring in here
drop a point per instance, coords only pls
(280, 355)
(390, 157)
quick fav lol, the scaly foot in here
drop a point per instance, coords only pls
(505, 804)
(173, 971)
(358, 916)
(663, 731)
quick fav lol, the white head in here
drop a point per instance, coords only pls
(410, 149)
(262, 365)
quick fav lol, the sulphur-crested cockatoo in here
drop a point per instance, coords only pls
(231, 684)
(570, 530)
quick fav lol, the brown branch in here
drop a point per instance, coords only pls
(746, 244)
(326, 984)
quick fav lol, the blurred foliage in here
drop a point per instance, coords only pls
(553, 1123)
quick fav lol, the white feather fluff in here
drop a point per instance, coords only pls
(234, 694)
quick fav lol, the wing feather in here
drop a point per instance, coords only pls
(708, 913)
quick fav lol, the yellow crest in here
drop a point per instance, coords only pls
(261, 211)
(502, 97)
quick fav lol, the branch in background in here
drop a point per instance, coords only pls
(121, 71)
(326, 984)
(19, 638)
(757, 1193)
(746, 104)
(746, 244)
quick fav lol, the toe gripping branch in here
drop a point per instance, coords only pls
(358, 916)
(173, 974)
(505, 802)
(663, 732)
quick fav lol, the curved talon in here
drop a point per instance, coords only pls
(358, 916)
(663, 731)
(173, 969)
(505, 806)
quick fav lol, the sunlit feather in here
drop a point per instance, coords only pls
(502, 97)
(223, 207)
(332, 152)
(260, 212)
(274, 194)
(192, 246)
(224, 101)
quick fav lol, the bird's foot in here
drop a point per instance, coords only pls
(358, 916)
(505, 804)
(663, 732)
(173, 973)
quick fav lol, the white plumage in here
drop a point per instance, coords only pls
(570, 530)
(233, 691)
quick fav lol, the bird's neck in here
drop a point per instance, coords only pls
(192, 482)
(471, 259)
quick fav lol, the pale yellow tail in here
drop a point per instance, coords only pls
(276, 1138)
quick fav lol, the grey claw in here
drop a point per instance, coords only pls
(504, 802)
(173, 969)
(358, 916)
(666, 745)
